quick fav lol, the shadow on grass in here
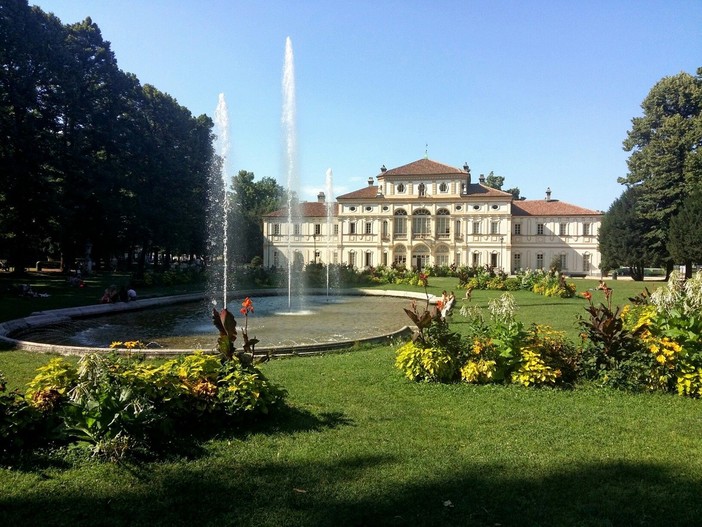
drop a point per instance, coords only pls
(358, 491)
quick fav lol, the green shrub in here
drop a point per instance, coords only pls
(419, 363)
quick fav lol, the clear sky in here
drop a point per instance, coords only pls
(541, 92)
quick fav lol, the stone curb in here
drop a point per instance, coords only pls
(41, 318)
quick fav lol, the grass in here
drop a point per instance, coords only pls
(361, 445)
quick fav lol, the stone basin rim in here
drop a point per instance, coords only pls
(42, 318)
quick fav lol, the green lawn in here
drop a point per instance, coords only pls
(361, 445)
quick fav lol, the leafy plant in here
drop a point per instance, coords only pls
(225, 322)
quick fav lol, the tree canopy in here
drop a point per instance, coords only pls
(496, 182)
(665, 158)
(89, 157)
(622, 235)
(685, 236)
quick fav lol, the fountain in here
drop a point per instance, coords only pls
(220, 192)
(330, 324)
(330, 215)
(290, 163)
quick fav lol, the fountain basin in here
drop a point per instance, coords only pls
(329, 323)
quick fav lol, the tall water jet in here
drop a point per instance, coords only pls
(290, 157)
(330, 213)
(221, 120)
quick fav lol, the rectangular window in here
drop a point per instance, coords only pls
(495, 227)
(457, 261)
(563, 262)
(586, 263)
(443, 226)
(296, 229)
(385, 228)
(336, 229)
(539, 228)
(276, 259)
(517, 262)
(420, 226)
(400, 225)
(540, 261)
(352, 259)
(352, 227)
(562, 229)
(586, 229)
(517, 228)
(476, 259)
(369, 227)
(476, 227)
(369, 259)
(317, 229)
(276, 229)
(493, 260)
(458, 227)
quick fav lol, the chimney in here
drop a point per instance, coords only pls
(321, 198)
(383, 169)
(482, 179)
(370, 181)
(548, 194)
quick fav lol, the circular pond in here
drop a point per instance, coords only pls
(313, 319)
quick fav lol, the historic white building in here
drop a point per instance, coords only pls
(426, 213)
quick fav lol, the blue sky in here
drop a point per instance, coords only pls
(541, 92)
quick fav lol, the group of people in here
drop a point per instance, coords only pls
(447, 302)
(113, 295)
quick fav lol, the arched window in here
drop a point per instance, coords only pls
(399, 257)
(442, 256)
(421, 223)
(443, 223)
(400, 223)
(420, 257)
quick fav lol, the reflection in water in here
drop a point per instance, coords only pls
(189, 326)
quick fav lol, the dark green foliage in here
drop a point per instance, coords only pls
(88, 154)
(685, 236)
(622, 236)
(665, 155)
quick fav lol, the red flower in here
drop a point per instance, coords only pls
(439, 305)
(246, 307)
(587, 295)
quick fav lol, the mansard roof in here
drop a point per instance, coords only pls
(308, 209)
(423, 167)
(554, 207)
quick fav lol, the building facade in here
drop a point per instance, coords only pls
(426, 213)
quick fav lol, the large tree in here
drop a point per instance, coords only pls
(685, 236)
(32, 73)
(251, 200)
(665, 155)
(622, 235)
(87, 155)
